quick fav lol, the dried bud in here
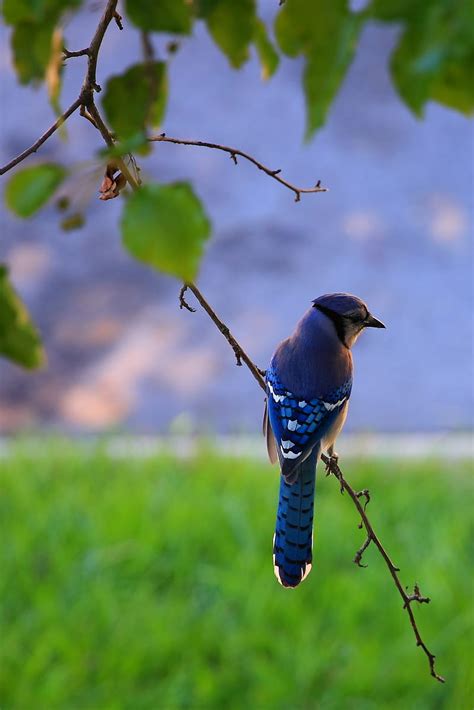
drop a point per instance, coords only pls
(112, 183)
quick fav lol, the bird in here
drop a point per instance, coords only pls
(308, 385)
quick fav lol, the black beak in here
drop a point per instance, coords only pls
(371, 322)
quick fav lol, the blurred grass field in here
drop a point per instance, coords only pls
(148, 584)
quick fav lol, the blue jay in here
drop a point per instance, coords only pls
(308, 388)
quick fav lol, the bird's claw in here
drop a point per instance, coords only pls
(332, 467)
(333, 459)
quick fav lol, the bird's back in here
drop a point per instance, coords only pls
(312, 360)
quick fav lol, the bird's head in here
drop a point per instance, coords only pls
(349, 315)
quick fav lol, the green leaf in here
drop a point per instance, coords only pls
(33, 23)
(326, 35)
(454, 86)
(19, 339)
(389, 10)
(231, 24)
(31, 46)
(136, 98)
(31, 188)
(160, 15)
(434, 59)
(268, 56)
(166, 227)
(16, 11)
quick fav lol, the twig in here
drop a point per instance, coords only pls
(98, 121)
(240, 354)
(118, 20)
(90, 111)
(364, 494)
(109, 140)
(147, 47)
(372, 537)
(333, 467)
(234, 152)
(80, 53)
(32, 149)
(360, 552)
(416, 596)
(86, 96)
(85, 114)
(90, 82)
(182, 301)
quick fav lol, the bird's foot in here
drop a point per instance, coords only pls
(332, 467)
(333, 459)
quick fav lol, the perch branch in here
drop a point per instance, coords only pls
(234, 152)
(333, 467)
(240, 354)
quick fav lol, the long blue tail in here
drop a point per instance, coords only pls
(293, 541)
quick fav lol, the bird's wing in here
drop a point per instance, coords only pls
(299, 424)
(269, 438)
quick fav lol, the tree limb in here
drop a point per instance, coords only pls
(234, 152)
(332, 467)
(90, 80)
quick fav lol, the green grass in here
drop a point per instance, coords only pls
(144, 585)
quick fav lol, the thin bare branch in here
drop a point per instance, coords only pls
(90, 111)
(234, 152)
(90, 82)
(109, 140)
(85, 114)
(240, 354)
(332, 466)
(360, 552)
(182, 300)
(33, 148)
(407, 599)
(89, 85)
(118, 20)
(80, 53)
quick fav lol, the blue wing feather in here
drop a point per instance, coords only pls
(299, 424)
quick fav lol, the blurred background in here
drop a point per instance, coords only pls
(393, 229)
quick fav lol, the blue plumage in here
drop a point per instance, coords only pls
(309, 383)
(299, 424)
(293, 542)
